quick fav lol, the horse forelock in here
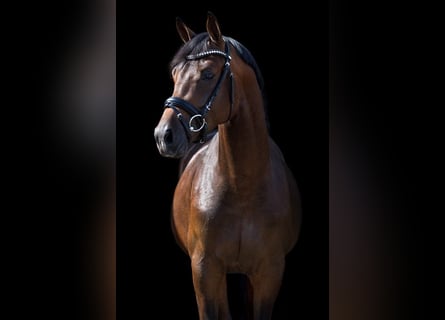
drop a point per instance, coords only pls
(197, 44)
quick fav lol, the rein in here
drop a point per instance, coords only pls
(197, 122)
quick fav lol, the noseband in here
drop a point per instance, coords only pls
(197, 122)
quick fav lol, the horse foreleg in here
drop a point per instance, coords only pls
(266, 283)
(209, 281)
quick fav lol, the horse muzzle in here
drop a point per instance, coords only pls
(171, 142)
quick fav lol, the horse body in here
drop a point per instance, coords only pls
(236, 207)
(230, 210)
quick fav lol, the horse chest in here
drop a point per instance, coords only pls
(231, 221)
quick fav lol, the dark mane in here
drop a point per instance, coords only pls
(248, 58)
(199, 44)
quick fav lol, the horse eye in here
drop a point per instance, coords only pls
(207, 75)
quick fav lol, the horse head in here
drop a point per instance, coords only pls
(203, 89)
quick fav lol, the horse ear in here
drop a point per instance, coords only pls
(213, 28)
(185, 33)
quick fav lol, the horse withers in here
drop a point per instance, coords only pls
(236, 207)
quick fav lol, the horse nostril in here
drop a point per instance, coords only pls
(168, 137)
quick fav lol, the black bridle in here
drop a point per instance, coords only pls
(197, 121)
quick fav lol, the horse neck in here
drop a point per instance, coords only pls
(244, 142)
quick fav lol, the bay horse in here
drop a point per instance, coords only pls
(236, 207)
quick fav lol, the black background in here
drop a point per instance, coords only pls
(369, 47)
(153, 275)
(291, 49)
